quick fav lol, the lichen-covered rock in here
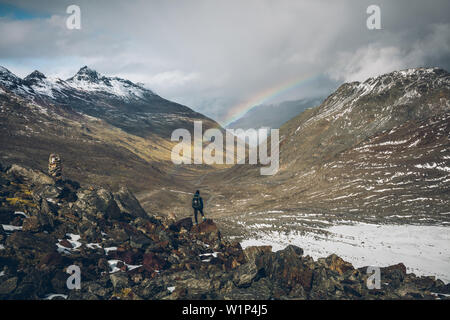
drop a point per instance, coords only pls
(42, 242)
(245, 274)
(286, 268)
(31, 176)
(97, 203)
(252, 252)
(126, 254)
(119, 280)
(7, 286)
(335, 263)
(185, 223)
(128, 204)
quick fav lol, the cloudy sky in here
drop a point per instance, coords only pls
(222, 56)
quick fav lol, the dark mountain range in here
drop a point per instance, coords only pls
(121, 103)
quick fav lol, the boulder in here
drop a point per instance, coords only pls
(139, 240)
(322, 285)
(152, 262)
(338, 264)
(400, 267)
(98, 289)
(207, 226)
(53, 259)
(245, 274)
(39, 222)
(208, 232)
(48, 207)
(252, 252)
(119, 280)
(185, 223)
(47, 192)
(29, 175)
(89, 232)
(128, 204)
(90, 203)
(40, 242)
(286, 268)
(7, 286)
(259, 290)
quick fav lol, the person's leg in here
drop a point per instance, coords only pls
(195, 216)
(203, 216)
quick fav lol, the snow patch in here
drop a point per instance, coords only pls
(425, 250)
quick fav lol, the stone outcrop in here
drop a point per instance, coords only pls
(125, 253)
(55, 167)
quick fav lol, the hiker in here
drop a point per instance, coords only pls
(197, 204)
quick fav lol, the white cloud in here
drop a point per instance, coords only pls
(376, 59)
(170, 79)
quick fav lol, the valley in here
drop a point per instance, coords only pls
(369, 164)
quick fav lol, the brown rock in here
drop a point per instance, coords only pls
(253, 251)
(286, 268)
(65, 243)
(40, 242)
(52, 259)
(152, 262)
(31, 224)
(185, 223)
(128, 204)
(336, 263)
(207, 226)
(400, 266)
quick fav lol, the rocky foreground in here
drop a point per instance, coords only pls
(125, 253)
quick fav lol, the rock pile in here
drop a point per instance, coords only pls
(125, 253)
(54, 166)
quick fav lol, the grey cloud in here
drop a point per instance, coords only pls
(211, 55)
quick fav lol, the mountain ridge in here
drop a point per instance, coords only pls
(103, 122)
(375, 151)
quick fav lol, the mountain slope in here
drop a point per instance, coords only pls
(119, 102)
(376, 151)
(357, 111)
(107, 130)
(127, 253)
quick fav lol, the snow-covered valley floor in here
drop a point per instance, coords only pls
(425, 250)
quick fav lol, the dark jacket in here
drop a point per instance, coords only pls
(199, 202)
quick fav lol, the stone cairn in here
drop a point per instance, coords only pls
(54, 167)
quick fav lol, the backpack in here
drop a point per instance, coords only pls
(196, 202)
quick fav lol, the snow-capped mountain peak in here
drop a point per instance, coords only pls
(35, 75)
(85, 81)
(7, 76)
(86, 74)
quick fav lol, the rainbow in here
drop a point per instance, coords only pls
(261, 97)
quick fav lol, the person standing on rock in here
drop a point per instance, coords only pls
(54, 167)
(197, 204)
